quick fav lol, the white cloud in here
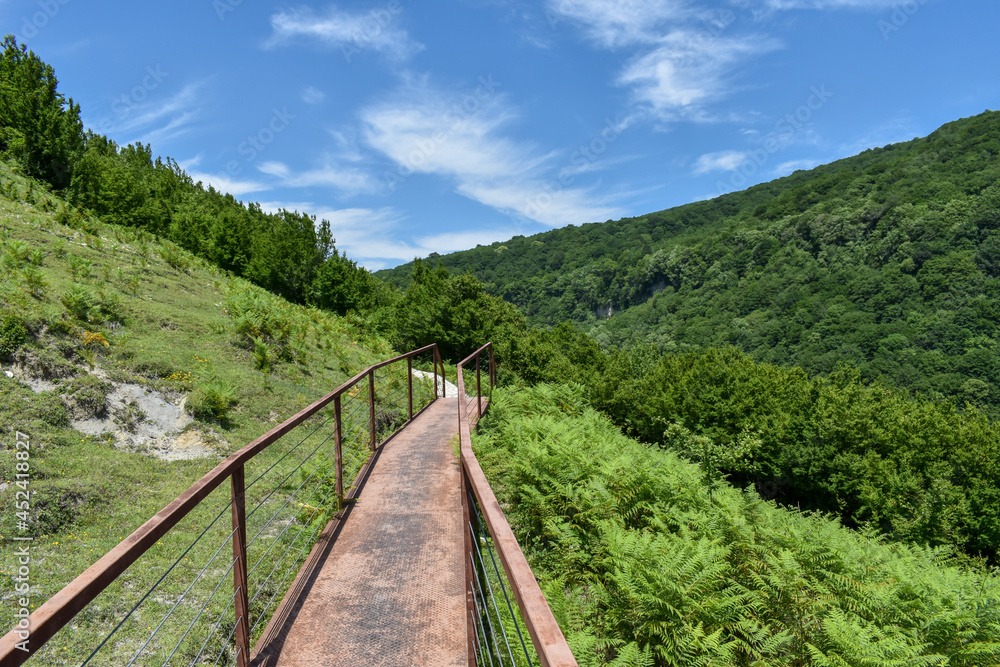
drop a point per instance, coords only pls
(377, 237)
(146, 113)
(154, 120)
(721, 161)
(353, 33)
(176, 127)
(225, 183)
(829, 4)
(454, 241)
(370, 236)
(312, 95)
(346, 139)
(684, 54)
(460, 138)
(350, 180)
(190, 163)
(544, 201)
(615, 23)
(688, 70)
(791, 166)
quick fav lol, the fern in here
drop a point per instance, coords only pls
(645, 561)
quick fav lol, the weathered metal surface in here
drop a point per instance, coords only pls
(550, 644)
(470, 572)
(390, 590)
(241, 598)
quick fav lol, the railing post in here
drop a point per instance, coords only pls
(444, 378)
(434, 358)
(338, 452)
(409, 383)
(242, 600)
(493, 371)
(470, 594)
(479, 390)
(371, 408)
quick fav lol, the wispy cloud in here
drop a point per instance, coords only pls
(350, 31)
(276, 206)
(686, 72)
(683, 57)
(153, 120)
(791, 166)
(370, 236)
(616, 23)
(226, 183)
(427, 131)
(313, 95)
(830, 4)
(378, 237)
(349, 180)
(721, 161)
(177, 126)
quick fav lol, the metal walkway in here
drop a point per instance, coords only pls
(408, 572)
(387, 587)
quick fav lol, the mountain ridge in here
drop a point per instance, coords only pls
(822, 266)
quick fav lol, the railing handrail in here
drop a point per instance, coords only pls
(58, 610)
(550, 644)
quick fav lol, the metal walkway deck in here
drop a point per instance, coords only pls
(387, 587)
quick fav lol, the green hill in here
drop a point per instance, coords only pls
(889, 260)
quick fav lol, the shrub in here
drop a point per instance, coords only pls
(12, 335)
(211, 401)
(20, 251)
(79, 268)
(111, 307)
(34, 280)
(47, 407)
(79, 303)
(175, 259)
(262, 357)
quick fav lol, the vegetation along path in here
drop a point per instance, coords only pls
(389, 589)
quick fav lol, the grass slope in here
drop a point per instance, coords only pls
(84, 305)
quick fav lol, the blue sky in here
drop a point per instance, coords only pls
(419, 127)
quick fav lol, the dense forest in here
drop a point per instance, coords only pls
(889, 261)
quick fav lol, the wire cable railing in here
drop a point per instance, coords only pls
(496, 625)
(285, 489)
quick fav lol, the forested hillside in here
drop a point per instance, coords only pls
(889, 261)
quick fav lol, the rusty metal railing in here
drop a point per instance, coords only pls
(494, 628)
(285, 487)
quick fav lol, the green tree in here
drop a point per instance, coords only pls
(38, 127)
(453, 311)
